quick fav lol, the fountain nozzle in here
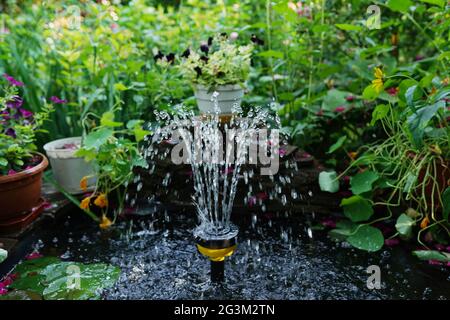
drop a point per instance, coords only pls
(216, 247)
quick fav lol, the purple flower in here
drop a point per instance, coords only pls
(26, 113)
(5, 115)
(251, 201)
(391, 242)
(11, 132)
(12, 81)
(15, 103)
(57, 100)
(11, 172)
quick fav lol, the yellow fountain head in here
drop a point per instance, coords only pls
(216, 254)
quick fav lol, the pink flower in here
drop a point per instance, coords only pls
(11, 172)
(329, 223)
(228, 170)
(282, 152)
(339, 109)
(26, 113)
(391, 242)
(434, 262)
(234, 36)
(262, 195)
(33, 255)
(12, 81)
(350, 98)
(47, 204)
(57, 100)
(392, 91)
(3, 290)
(252, 201)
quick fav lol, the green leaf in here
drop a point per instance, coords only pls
(3, 255)
(349, 27)
(404, 225)
(328, 181)
(446, 203)
(356, 208)
(370, 93)
(337, 144)
(120, 87)
(367, 238)
(95, 139)
(333, 99)
(3, 162)
(418, 121)
(399, 5)
(439, 3)
(362, 182)
(271, 54)
(409, 95)
(380, 112)
(107, 120)
(432, 255)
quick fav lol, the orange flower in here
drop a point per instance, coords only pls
(84, 183)
(85, 203)
(424, 223)
(105, 223)
(353, 155)
(101, 201)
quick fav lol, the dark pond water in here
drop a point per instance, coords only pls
(276, 259)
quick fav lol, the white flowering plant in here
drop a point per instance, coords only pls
(219, 61)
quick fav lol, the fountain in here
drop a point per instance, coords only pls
(216, 146)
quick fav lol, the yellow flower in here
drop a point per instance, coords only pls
(424, 223)
(105, 223)
(378, 85)
(84, 183)
(378, 73)
(85, 203)
(101, 201)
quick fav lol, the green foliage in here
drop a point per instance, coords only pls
(357, 209)
(18, 131)
(367, 238)
(328, 181)
(3, 255)
(226, 63)
(49, 278)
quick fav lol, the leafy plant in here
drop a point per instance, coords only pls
(49, 278)
(18, 130)
(113, 149)
(218, 62)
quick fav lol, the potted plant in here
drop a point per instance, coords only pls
(21, 166)
(220, 66)
(68, 169)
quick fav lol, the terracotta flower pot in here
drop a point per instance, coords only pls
(20, 192)
(442, 177)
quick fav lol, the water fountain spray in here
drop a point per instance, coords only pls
(216, 146)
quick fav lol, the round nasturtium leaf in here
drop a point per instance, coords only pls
(367, 238)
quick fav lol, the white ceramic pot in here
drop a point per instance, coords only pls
(229, 96)
(67, 168)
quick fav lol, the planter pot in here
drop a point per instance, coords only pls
(21, 192)
(67, 168)
(229, 97)
(442, 176)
